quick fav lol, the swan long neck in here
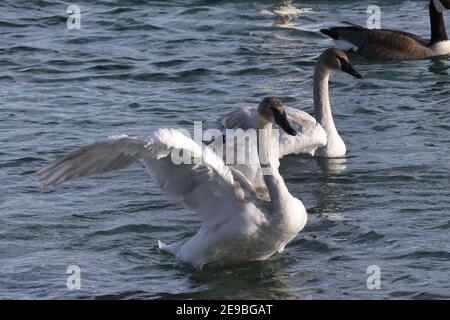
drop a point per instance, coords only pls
(438, 32)
(274, 182)
(322, 108)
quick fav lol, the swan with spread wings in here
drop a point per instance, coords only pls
(237, 224)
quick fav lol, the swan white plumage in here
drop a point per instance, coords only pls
(237, 225)
(329, 61)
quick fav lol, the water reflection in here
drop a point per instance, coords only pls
(321, 177)
(253, 280)
(332, 166)
(330, 195)
(439, 65)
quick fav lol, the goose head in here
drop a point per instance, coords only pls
(336, 59)
(271, 110)
(441, 5)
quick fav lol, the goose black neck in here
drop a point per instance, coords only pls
(438, 32)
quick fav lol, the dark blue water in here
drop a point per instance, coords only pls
(138, 65)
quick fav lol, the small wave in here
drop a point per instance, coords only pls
(170, 63)
(19, 162)
(85, 40)
(194, 10)
(253, 71)
(118, 10)
(341, 258)
(45, 22)
(133, 228)
(110, 67)
(149, 76)
(368, 237)
(8, 24)
(444, 226)
(132, 24)
(312, 245)
(422, 254)
(28, 49)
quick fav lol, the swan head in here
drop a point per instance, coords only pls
(336, 59)
(271, 109)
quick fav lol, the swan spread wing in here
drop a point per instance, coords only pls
(208, 186)
(115, 153)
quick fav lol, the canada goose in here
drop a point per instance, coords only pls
(384, 44)
(237, 225)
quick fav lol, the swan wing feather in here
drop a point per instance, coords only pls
(206, 185)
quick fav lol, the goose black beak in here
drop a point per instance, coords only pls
(282, 121)
(347, 67)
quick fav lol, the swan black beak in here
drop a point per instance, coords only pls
(282, 121)
(347, 67)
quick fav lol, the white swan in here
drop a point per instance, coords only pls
(316, 136)
(236, 224)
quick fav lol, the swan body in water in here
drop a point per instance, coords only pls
(237, 225)
(316, 136)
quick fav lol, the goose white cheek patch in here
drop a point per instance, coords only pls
(439, 6)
